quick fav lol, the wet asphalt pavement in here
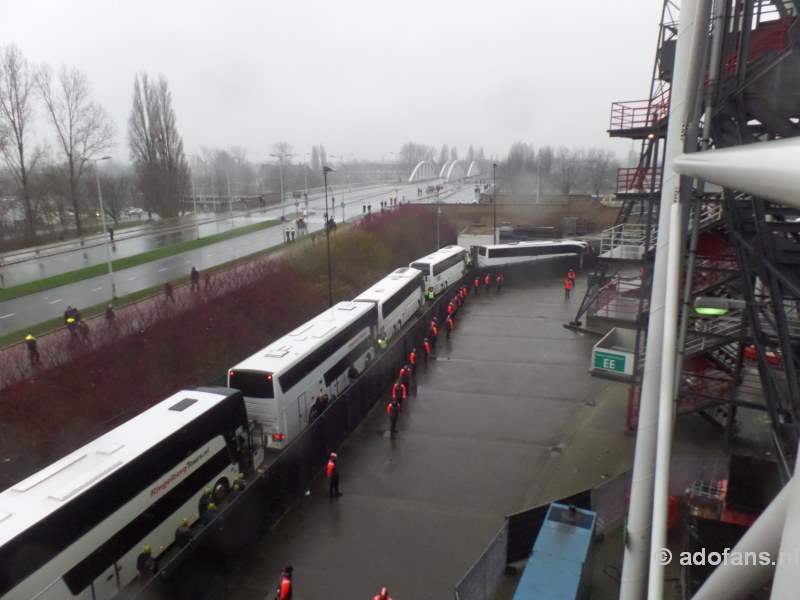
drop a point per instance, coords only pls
(485, 435)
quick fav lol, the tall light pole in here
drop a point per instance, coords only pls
(438, 214)
(305, 178)
(230, 198)
(494, 201)
(329, 215)
(396, 176)
(103, 222)
(281, 157)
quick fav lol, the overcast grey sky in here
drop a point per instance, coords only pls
(361, 77)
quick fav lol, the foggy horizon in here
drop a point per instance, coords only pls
(358, 78)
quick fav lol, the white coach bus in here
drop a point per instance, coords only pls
(498, 255)
(442, 268)
(281, 382)
(76, 528)
(398, 297)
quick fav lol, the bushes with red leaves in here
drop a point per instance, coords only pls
(156, 346)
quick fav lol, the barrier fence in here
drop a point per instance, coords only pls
(248, 514)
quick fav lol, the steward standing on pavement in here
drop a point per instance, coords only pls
(285, 587)
(333, 477)
(567, 287)
(426, 349)
(183, 534)
(393, 408)
(399, 392)
(33, 351)
(384, 595)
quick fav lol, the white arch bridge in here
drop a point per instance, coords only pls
(452, 170)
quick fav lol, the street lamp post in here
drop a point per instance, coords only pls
(305, 179)
(103, 222)
(494, 201)
(281, 157)
(438, 214)
(230, 198)
(328, 216)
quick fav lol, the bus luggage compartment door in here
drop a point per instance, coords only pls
(107, 584)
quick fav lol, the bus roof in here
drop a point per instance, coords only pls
(287, 350)
(388, 285)
(539, 243)
(440, 254)
(29, 501)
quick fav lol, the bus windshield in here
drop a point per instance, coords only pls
(252, 384)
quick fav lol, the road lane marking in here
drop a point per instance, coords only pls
(162, 269)
(210, 254)
(97, 289)
(132, 278)
(56, 301)
(8, 315)
(187, 262)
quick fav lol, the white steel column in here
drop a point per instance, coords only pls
(692, 33)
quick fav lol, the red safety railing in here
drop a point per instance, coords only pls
(769, 37)
(637, 180)
(639, 114)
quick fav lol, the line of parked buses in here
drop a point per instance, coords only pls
(75, 528)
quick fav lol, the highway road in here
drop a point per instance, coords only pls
(21, 313)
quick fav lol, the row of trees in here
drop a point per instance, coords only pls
(51, 179)
(561, 170)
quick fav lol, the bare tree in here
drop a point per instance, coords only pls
(283, 150)
(162, 171)
(568, 164)
(444, 154)
(453, 153)
(116, 193)
(412, 154)
(544, 166)
(599, 166)
(83, 129)
(470, 153)
(16, 113)
(518, 168)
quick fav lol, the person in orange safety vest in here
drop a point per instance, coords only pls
(384, 595)
(333, 476)
(399, 392)
(285, 588)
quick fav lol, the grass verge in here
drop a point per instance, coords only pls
(16, 337)
(47, 283)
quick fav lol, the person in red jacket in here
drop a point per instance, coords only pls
(412, 361)
(333, 477)
(426, 349)
(567, 287)
(399, 392)
(393, 410)
(384, 595)
(285, 588)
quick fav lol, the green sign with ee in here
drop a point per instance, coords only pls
(609, 362)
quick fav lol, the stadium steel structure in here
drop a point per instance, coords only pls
(738, 91)
(738, 245)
